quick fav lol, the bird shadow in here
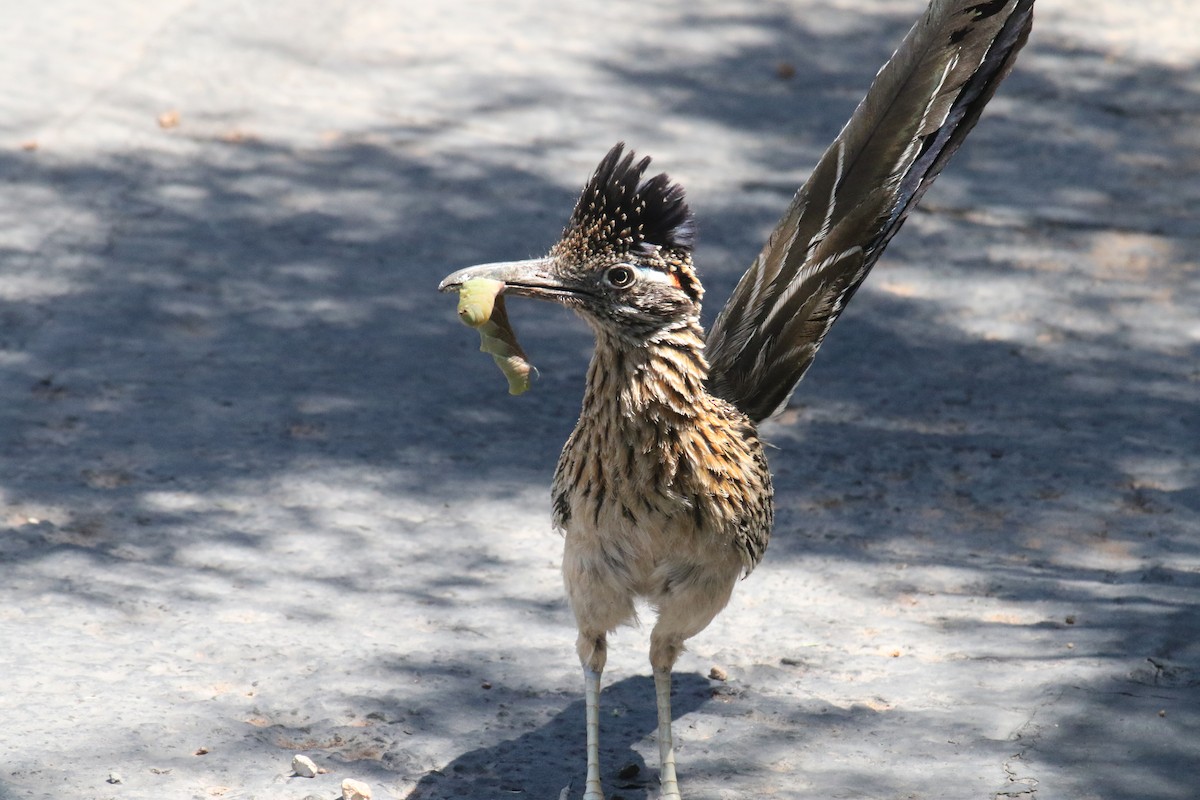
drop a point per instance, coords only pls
(207, 355)
(548, 758)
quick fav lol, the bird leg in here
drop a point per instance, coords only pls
(593, 652)
(664, 651)
(666, 742)
(591, 688)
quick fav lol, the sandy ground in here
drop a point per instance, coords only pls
(260, 495)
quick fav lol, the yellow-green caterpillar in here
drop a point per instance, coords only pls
(481, 306)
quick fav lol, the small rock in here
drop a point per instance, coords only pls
(304, 766)
(629, 771)
(718, 674)
(115, 777)
(355, 790)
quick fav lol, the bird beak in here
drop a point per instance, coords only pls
(536, 278)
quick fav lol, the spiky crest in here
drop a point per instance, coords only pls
(621, 215)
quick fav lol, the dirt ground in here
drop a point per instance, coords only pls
(260, 495)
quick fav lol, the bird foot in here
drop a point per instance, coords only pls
(592, 790)
(670, 793)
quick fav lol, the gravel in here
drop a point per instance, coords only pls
(260, 495)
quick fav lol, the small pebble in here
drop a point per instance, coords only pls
(718, 674)
(355, 790)
(304, 766)
(115, 777)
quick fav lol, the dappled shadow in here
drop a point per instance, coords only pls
(550, 757)
(225, 337)
(260, 307)
(227, 362)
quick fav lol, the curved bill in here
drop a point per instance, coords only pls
(536, 277)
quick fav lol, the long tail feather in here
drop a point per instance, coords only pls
(917, 112)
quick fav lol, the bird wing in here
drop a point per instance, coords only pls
(919, 109)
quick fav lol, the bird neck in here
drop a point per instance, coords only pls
(660, 377)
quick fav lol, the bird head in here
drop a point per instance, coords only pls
(624, 261)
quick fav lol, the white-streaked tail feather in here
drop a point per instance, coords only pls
(918, 110)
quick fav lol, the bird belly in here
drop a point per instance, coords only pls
(614, 555)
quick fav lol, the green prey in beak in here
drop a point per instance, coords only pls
(481, 306)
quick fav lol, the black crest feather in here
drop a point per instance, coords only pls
(619, 211)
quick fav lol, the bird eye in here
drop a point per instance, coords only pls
(619, 276)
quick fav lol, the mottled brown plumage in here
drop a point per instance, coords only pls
(662, 491)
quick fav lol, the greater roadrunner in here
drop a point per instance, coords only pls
(662, 491)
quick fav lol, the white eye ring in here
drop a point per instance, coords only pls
(619, 277)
